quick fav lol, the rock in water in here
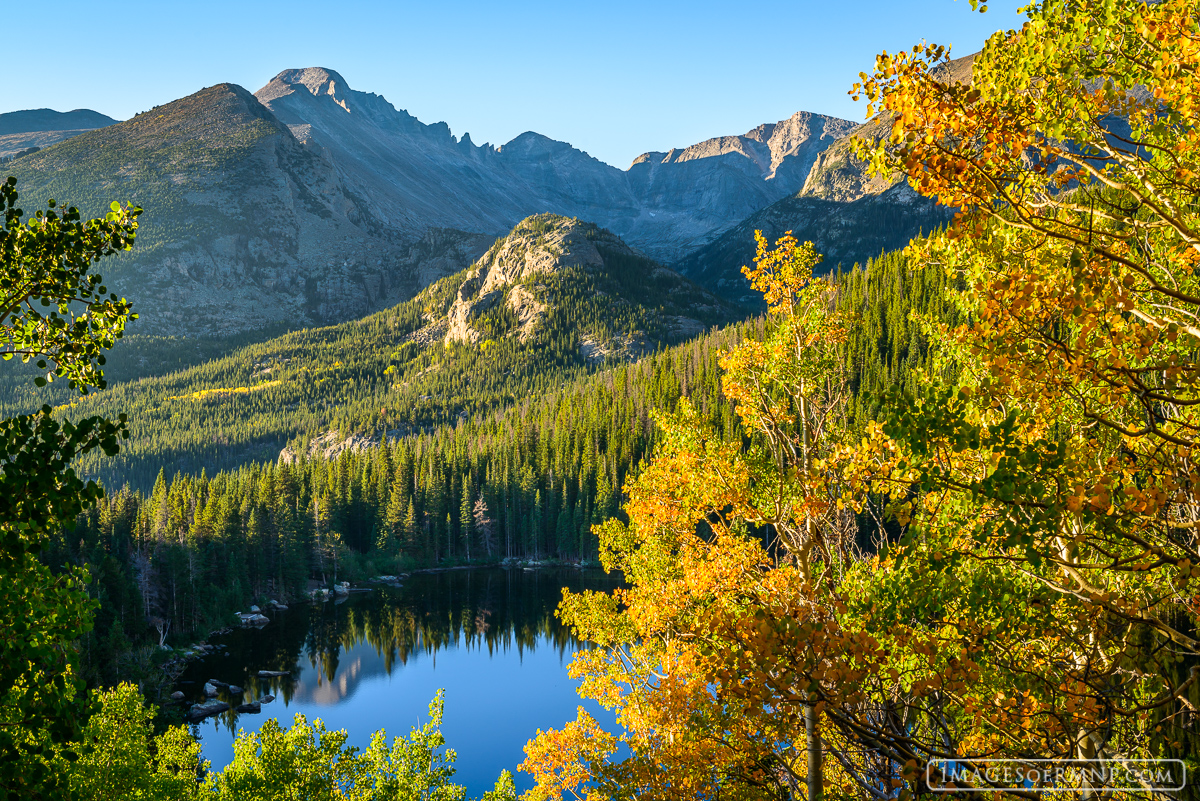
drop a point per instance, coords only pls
(210, 690)
(254, 608)
(233, 688)
(252, 708)
(266, 699)
(177, 695)
(272, 674)
(199, 712)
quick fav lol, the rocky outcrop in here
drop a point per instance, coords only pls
(526, 272)
(329, 445)
(528, 309)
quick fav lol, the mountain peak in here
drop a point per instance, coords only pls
(317, 80)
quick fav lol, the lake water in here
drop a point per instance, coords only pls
(374, 660)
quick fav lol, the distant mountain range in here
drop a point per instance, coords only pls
(418, 175)
(42, 127)
(309, 202)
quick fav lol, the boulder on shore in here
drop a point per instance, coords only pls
(254, 608)
(253, 619)
(177, 695)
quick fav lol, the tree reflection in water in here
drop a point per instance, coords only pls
(329, 649)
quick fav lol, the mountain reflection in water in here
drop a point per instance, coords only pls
(374, 660)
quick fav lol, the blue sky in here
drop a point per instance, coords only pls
(616, 78)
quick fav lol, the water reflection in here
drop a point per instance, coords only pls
(488, 636)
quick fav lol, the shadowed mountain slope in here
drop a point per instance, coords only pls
(243, 228)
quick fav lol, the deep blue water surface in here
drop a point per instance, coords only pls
(375, 660)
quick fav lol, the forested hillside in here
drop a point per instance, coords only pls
(553, 300)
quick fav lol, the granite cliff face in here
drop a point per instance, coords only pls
(419, 175)
(244, 227)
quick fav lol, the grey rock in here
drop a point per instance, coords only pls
(266, 699)
(272, 674)
(233, 688)
(254, 608)
(252, 707)
(199, 712)
(210, 690)
(177, 695)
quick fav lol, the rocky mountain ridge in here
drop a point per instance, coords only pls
(848, 214)
(418, 175)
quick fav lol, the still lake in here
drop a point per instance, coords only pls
(375, 660)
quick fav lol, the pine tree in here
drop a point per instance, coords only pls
(464, 516)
